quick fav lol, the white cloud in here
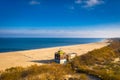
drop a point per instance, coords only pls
(92, 3)
(34, 2)
(96, 31)
(88, 3)
(102, 31)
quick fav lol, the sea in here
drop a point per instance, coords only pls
(20, 44)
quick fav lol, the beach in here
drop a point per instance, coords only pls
(43, 56)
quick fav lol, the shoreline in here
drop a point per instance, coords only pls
(101, 41)
(16, 49)
(43, 55)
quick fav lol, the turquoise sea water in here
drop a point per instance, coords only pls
(18, 44)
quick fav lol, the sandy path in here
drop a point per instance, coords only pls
(41, 56)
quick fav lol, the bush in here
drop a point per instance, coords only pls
(33, 72)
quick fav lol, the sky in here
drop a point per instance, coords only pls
(60, 18)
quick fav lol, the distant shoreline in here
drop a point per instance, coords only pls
(23, 44)
(102, 41)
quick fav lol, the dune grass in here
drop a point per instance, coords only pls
(103, 63)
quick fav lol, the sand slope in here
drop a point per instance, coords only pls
(41, 56)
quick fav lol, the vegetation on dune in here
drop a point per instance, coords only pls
(35, 72)
(103, 63)
(44, 72)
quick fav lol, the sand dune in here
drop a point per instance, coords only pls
(42, 56)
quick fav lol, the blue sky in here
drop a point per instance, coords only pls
(59, 18)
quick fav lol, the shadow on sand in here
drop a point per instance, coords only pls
(43, 61)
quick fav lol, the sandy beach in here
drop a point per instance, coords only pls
(42, 56)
